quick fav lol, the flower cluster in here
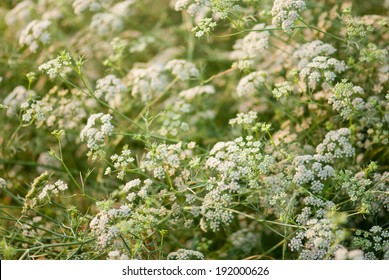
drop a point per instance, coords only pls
(35, 111)
(15, 98)
(244, 119)
(249, 85)
(282, 89)
(81, 6)
(58, 66)
(106, 24)
(121, 162)
(336, 145)
(322, 68)
(166, 161)
(191, 93)
(182, 69)
(251, 47)
(97, 128)
(35, 34)
(312, 170)
(345, 99)
(375, 243)
(286, 12)
(183, 254)
(110, 88)
(146, 82)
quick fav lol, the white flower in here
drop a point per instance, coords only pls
(20, 13)
(286, 12)
(310, 50)
(244, 118)
(182, 69)
(110, 88)
(336, 145)
(16, 97)
(191, 93)
(146, 82)
(98, 127)
(282, 89)
(35, 34)
(81, 6)
(249, 85)
(251, 47)
(106, 24)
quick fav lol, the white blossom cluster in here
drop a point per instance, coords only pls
(35, 111)
(110, 88)
(191, 6)
(138, 217)
(308, 51)
(356, 187)
(244, 240)
(215, 209)
(20, 13)
(15, 98)
(68, 108)
(35, 34)
(312, 170)
(251, 47)
(167, 160)
(192, 93)
(184, 254)
(58, 66)
(182, 69)
(249, 85)
(374, 243)
(103, 225)
(106, 24)
(244, 119)
(342, 253)
(54, 189)
(81, 6)
(322, 68)
(282, 89)
(172, 118)
(319, 238)
(117, 255)
(97, 128)
(238, 160)
(345, 99)
(146, 82)
(286, 12)
(41, 189)
(121, 162)
(336, 145)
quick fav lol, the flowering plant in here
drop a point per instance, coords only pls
(194, 129)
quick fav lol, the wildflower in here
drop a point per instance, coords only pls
(120, 162)
(336, 145)
(146, 82)
(312, 170)
(205, 27)
(322, 68)
(311, 50)
(251, 47)
(244, 119)
(97, 128)
(249, 85)
(17, 96)
(81, 6)
(58, 66)
(183, 254)
(20, 13)
(106, 24)
(282, 89)
(110, 89)
(182, 69)
(286, 12)
(35, 34)
(191, 93)
(345, 99)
